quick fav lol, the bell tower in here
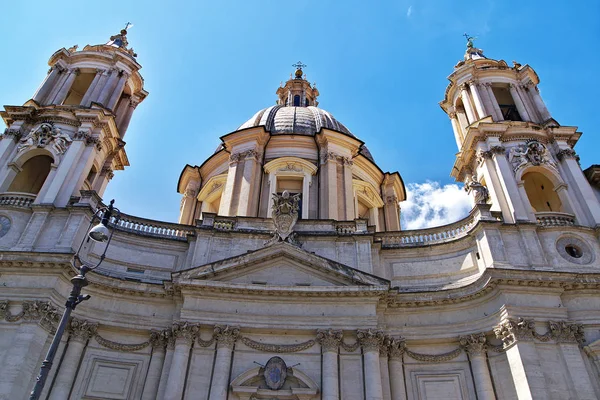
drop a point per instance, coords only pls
(69, 136)
(510, 148)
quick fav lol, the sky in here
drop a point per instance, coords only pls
(381, 68)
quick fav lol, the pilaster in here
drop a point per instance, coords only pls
(371, 341)
(330, 340)
(226, 337)
(476, 346)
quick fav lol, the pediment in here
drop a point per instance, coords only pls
(281, 265)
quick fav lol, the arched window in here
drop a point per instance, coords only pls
(296, 101)
(540, 192)
(506, 103)
(32, 175)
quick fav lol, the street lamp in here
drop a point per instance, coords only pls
(99, 233)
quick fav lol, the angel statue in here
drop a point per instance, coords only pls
(61, 141)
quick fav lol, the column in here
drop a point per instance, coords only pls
(184, 338)
(169, 339)
(107, 88)
(47, 85)
(330, 204)
(188, 202)
(384, 368)
(531, 109)
(88, 94)
(95, 94)
(64, 90)
(306, 181)
(158, 343)
(517, 336)
(464, 95)
(477, 100)
(476, 346)
(374, 218)
(227, 207)
(80, 331)
(539, 103)
(79, 170)
(493, 102)
(272, 189)
(248, 186)
(569, 337)
(392, 214)
(579, 185)
(21, 360)
(456, 128)
(226, 337)
(329, 340)
(348, 192)
(396, 368)
(124, 123)
(370, 342)
(519, 102)
(116, 94)
(58, 83)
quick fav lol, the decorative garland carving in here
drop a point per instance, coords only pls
(109, 344)
(205, 343)
(350, 347)
(277, 348)
(434, 358)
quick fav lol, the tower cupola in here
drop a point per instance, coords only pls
(297, 91)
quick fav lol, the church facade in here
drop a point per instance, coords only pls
(288, 275)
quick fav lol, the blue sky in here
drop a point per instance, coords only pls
(381, 68)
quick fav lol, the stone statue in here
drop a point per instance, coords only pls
(61, 141)
(285, 214)
(481, 192)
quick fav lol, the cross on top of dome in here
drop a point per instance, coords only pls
(299, 67)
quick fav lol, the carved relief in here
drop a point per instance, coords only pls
(329, 339)
(43, 135)
(251, 154)
(327, 156)
(285, 215)
(565, 332)
(277, 348)
(530, 153)
(275, 373)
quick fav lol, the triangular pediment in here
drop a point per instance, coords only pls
(281, 265)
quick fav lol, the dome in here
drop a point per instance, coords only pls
(308, 121)
(296, 120)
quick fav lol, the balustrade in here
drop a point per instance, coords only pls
(150, 227)
(17, 199)
(555, 219)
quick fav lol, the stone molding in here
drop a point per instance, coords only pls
(277, 348)
(474, 344)
(329, 339)
(370, 340)
(226, 335)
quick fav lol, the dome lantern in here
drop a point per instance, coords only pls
(297, 91)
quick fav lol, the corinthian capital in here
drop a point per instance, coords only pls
(475, 344)
(329, 339)
(511, 330)
(397, 347)
(370, 340)
(226, 335)
(82, 330)
(564, 332)
(185, 332)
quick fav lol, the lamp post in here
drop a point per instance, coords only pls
(99, 233)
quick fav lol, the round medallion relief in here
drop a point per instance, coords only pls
(574, 250)
(4, 225)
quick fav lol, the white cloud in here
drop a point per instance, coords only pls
(409, 12)
(429, 204)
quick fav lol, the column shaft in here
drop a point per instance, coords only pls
(220, 382)
(331, 388)
(496, 108)
(457, 131)
(68, 370)
(124, 124)
(248, 186)
(64, 90)
(58, 83)
(519, 103)
(45, 88)
(373, 387)
(85, 101)
(178, 371)
(51, 188)
(539, 103)
(116, 94)
(227, 208)
(385, 376)
(108, 87)
(396, 369)
(95, 94)
(154, 373)
(477, 100)
(464, 95)
(509, 185)
(531, 109)
(481, 376)
(577, 371)
(348, 197)
(331, 203)
(164, 373)
(526, 371)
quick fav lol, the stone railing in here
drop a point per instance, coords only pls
(428, 236)
(549, 218)
(17, 199)
(149, 227)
